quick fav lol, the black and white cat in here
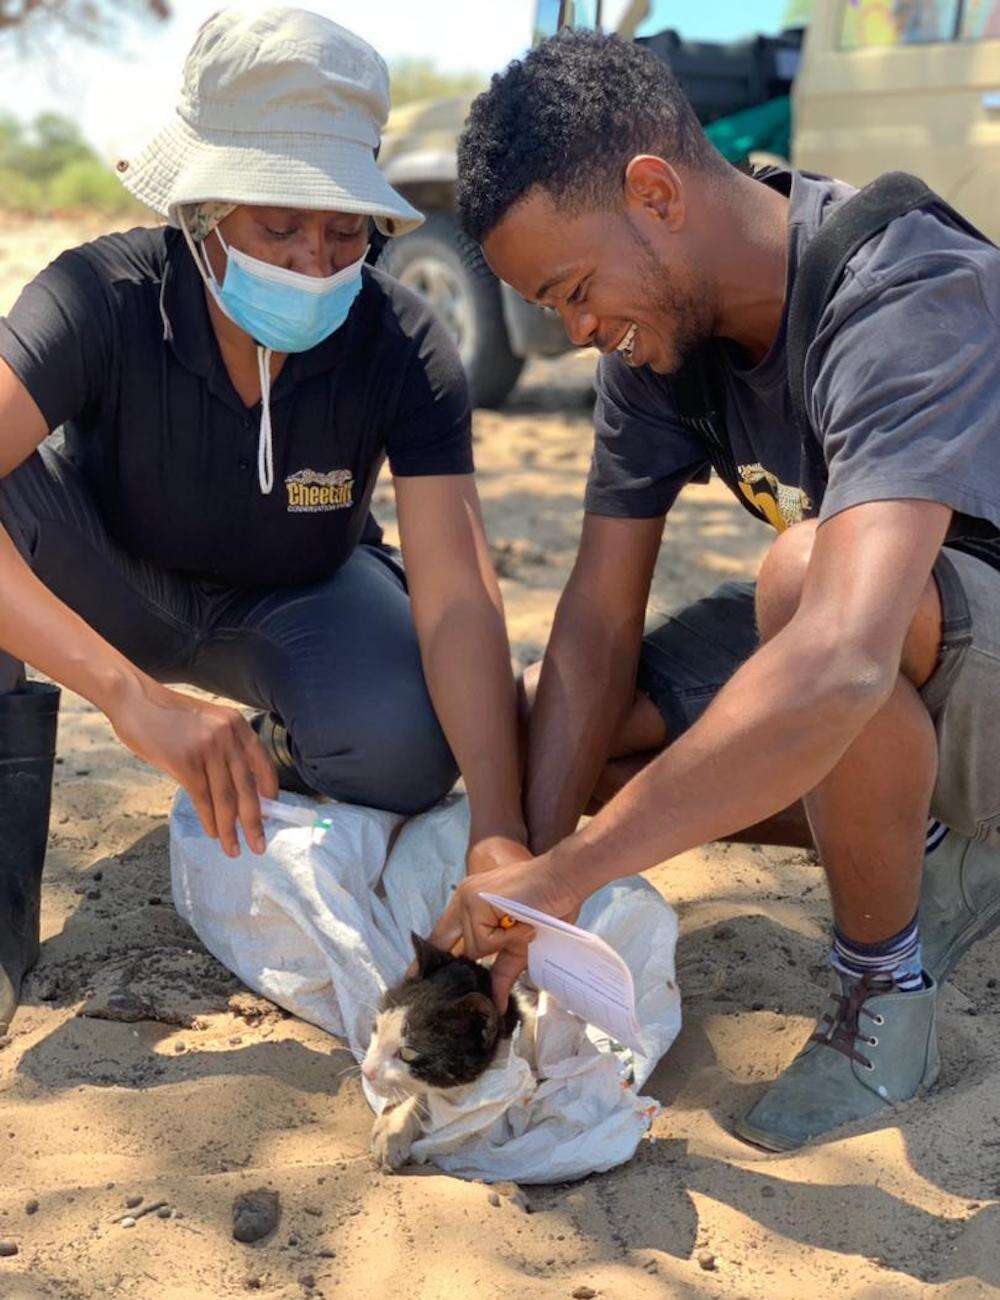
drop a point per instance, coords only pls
(437, 1030)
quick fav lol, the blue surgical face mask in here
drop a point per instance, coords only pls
(280, 309)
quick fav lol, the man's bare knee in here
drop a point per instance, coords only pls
(781, 578)
(779, 590)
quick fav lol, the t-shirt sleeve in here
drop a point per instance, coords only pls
(643, 455)
(56, 338)
(431, 429)
(906, 388)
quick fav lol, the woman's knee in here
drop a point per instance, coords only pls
(396, 759)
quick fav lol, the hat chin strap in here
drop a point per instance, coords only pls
(265, 444)
(265, 447)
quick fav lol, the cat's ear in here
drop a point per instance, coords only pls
(429, 958)
(475, 1015)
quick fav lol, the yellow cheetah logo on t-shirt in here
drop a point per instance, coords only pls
(782, 505)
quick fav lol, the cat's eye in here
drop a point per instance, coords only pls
(407, 1054)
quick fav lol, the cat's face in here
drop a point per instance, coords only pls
(436, 1030)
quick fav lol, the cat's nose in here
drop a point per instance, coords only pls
(369, 1071)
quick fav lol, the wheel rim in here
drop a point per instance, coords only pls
(441, 286)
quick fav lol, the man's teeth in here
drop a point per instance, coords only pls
(626, 344)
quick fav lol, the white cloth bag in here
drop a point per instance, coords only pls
(321, 924)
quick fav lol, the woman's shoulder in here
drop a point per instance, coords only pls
(138, 255)
(399, 310)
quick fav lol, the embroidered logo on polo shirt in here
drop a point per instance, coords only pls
(310, 491)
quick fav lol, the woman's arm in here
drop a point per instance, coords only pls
(208, 749)
(458, 613)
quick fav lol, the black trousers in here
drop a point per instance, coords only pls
(337, 661)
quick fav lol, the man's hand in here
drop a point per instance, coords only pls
(208, 749)
(495, 851)
(469, 919)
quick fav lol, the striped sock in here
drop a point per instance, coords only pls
(894, 961)
(936, 832)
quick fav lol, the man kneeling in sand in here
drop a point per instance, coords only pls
(860, 675)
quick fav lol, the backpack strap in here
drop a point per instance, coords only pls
(699, 402)
(700, 406)
(841, 235)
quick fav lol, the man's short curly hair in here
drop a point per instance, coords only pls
(569, 117)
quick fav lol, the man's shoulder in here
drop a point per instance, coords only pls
(914, 247)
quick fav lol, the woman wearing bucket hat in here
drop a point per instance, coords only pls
(226, 388)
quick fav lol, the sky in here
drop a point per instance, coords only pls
(120, 97)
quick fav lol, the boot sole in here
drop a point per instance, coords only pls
(980, 928)
(767, 1141)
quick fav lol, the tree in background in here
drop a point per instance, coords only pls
(48, 166)
(413, 79)
(91, 19)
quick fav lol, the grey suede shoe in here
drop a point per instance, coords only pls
(959, 901)
(877, 1048)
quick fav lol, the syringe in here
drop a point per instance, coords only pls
(294, 814)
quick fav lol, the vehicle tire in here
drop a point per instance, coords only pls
(447, 269)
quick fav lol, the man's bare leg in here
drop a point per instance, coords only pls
(869, 820)
(869, 815)
(641, 737)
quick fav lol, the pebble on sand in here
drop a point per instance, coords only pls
(584, 1293)
(128, 1222)
(255, 1214)
(31, 1207)
(8, 1247)
(707, 1261)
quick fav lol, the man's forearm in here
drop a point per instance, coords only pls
(771, 735)
(586, 687)
(467, 663)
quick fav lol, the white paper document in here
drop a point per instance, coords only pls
(580, 971)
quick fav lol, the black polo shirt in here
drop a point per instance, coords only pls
(114, 342)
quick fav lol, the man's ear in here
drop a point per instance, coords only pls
(652, 186)
(475, 1015)
(429, 958)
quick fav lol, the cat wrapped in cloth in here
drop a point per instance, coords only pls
(321, 924)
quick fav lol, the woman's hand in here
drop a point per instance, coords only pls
(208, 749)
(469, 919)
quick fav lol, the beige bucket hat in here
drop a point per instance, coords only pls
(281, 108)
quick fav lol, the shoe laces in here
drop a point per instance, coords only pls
(842, 1030)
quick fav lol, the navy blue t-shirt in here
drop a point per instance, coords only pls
(114, 343)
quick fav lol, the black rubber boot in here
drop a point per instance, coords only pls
(27, 752)
(273, 735)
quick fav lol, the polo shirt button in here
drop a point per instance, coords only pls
(244, 464)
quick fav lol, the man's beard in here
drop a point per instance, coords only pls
(690, 314)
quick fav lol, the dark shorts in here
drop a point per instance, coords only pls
(688, 655)
(337, 661)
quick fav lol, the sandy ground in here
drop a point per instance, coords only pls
(212, 1091)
